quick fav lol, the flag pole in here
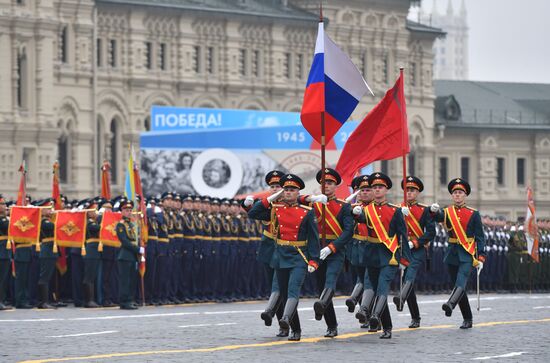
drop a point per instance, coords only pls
(404, 181)
(323, 161)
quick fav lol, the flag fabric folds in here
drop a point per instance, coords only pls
(107, 232)
(334, 88)
(24, 227)
(531, 229)
(56, 194)
(129, 185)
(106, 180)
(70, 229)
(382, 135)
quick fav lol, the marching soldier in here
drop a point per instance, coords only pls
(297, 246)
(466, 246)
(151, 253)
(338, 231)
(128, 256)
(48, 254)
(389, 250)
(109, 278)
(5, 252)
(420, 231)
(265, 254)
(359, 246)
(92, 258)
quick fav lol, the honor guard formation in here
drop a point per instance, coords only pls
(282, 247)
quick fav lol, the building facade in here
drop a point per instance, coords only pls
(78, 79)
(451, 51)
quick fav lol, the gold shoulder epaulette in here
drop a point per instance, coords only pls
(341, 200)
(277, 205)
(423, 205)
(470, 208)
(393, 205)
(305, 207)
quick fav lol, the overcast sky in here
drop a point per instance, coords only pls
(508, 39)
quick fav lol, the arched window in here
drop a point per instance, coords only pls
(100, 144)
(147, 123)
(115, 135)
(64, 45)
(22, 74)
(62, 157)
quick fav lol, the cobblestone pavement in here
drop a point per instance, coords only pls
(508, 328)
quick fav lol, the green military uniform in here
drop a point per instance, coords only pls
(48, 256)
(127, 261)
(5, 255)
(516, 254)
(91, 262)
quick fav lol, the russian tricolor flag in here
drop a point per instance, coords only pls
(334, 87)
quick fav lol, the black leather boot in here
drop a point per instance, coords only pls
(320, 305)
(363, 314)
(379, 307)
(466, 324)
(271, 308)
(453, 300)
(43, 293)
(282, 333)
(295, 336)
(400, 300)
(290, 310)
(386, 334)
(353, 299)
(415, 323)
(89, 292)
(331, 332)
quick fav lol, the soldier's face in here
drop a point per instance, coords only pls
(412, 194)
(291, 194)
(330, 187)
(223, 208)
(458, 196)
(379, 192)
(365, 194)
(274, 188)
(3, 208)
(126, 212)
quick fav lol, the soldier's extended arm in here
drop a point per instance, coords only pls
(347, 227)
(429, 227)
(313, 245)
(399, 229)
(261, 210)
(478, 233)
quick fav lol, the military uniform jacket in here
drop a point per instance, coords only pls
(92, 240)
(5, 253)
(294, 224)
(47, 228)
(339, 210)
(267, 244)
(392, 219)
(425, 219)
(129, 248)
(471, 223)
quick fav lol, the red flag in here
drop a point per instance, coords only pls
(106, 180)
(107, 233)
(382, 135)
(70, 228)
(24, 227)
(531, 228)
(56, 194)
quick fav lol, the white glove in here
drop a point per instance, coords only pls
(321, 198)
(411, 245)
(479, 267)
(141, 250)
(310, 269)
(405, 211)
(248, 201)
(357, 210)
(402, 267)
(273, 197)
(434, 207)
(142, 259)
(350, 198)
(325, 252)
